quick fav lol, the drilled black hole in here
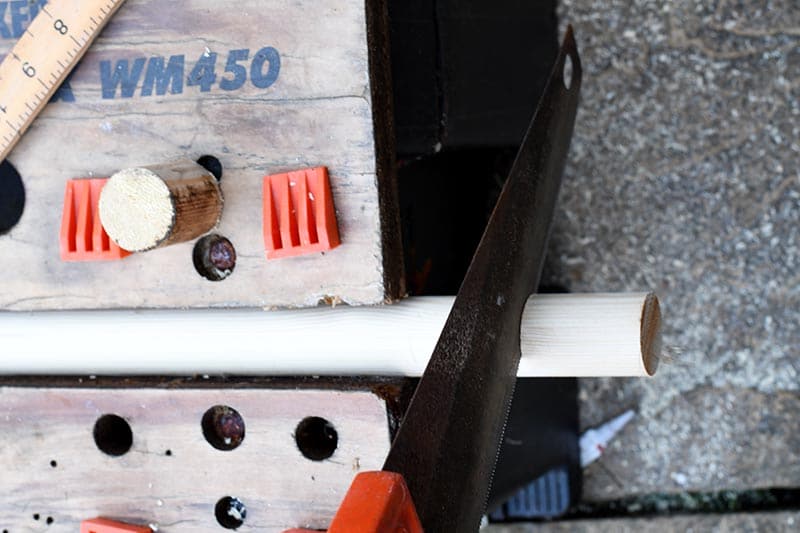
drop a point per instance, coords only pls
(316, 438)
(230, 512)
(53, 463)
(214, 257)
(168, 453)
(223, 427)
(49, 520)
(36, 516)
(12, 197)
(113, 435)
(212, 164)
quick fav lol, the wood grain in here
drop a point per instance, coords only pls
(178, 491)
(318, 112)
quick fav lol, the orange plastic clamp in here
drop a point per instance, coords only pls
(299, 217)
(377, 502)
(103, 525)
(82, 235)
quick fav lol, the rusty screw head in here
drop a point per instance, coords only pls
(223, 427)
(214, 257)
(230, 427)
(221, 254)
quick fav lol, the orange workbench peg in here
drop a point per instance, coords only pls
(377, 502)
(82, 236)
(103, 525)
(299, 217)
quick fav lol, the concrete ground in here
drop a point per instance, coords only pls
(723, 523)
(684, 178)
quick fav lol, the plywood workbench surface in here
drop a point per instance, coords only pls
(266, 86)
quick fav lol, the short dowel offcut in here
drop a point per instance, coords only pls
(149, 207)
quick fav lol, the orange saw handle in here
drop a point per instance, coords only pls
(377, 502)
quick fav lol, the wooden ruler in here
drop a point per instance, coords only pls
(44, 55)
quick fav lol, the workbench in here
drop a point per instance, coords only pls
(263, 87)
(266, 87)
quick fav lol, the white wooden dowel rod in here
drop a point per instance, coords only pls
(562, 335)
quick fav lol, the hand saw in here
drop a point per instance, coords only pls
(443, 456)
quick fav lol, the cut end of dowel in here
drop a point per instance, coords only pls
(136, 209)
(651, 333)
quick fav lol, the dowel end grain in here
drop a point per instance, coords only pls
(651, 333)
(136, 209)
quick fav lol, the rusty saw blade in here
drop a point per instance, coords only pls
(447, 445)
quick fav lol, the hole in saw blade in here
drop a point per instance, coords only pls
(567, 72)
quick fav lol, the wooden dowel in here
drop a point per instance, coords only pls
(150, 207)
(565, 335)
(562, 335)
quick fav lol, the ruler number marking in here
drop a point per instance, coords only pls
(28, 69)
(60, 27)
(49, 65)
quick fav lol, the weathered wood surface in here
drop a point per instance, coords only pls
(318, 111)
(728, 523)
(178, 492)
